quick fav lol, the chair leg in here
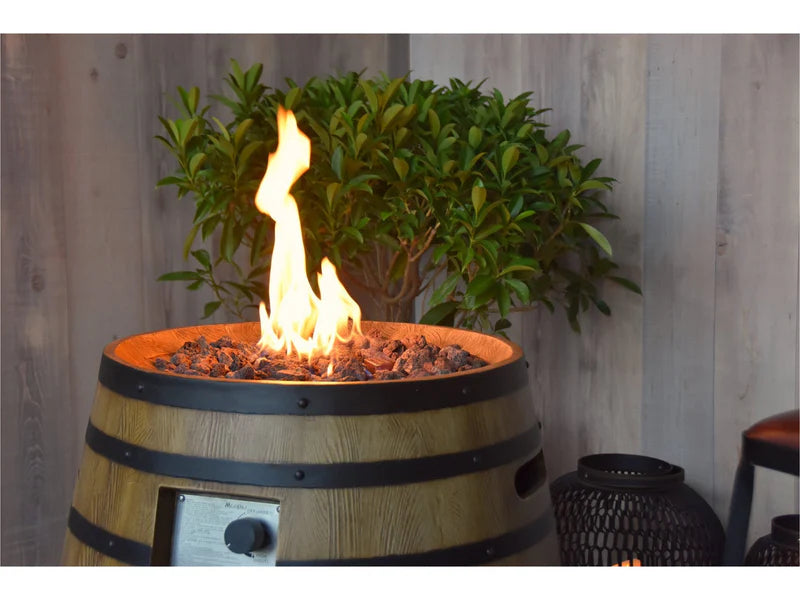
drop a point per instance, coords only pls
(739, 516)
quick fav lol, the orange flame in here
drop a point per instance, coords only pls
(626, 563)
(300, 321)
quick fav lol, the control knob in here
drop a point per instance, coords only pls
(246, 535)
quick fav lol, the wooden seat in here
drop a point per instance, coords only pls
(773, 444)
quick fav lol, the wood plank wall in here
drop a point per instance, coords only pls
(85, 234)
(702, 133)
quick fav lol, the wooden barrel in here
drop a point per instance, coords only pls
(446, 470)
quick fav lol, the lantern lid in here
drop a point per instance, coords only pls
(630, 471)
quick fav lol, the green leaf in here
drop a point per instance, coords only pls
(187, 244)
(171, 180)
(433, 120)
(401, 166)
(503, 300)
(202, 257)
(510, 157)
(443, 291)
(354, 233)
(593, 184)
(258, 242)
(180, 276)
(480, 284)
(336, 162)
(369, 92)
(520, 289)
(291, 97)
(389, 115)
(598, 237)
(441, 314)
(478, 197)
(222, 129)
(196, 162)
(211, 308)
(475, 136)
(227, 242)
(602, 307)
(330, 191)
(626, 283)
(502, 324)
(241, 131)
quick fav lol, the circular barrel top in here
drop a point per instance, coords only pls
(127, 368)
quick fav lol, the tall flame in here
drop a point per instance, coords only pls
(300, 321)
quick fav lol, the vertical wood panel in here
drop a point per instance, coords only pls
(469, 57)
(756, 267)
(679, 253)
(164, 62)
(38, 449)
(102, 195)
(587, 389)
(589, 385)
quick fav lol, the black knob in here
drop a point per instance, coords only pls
(243, 536)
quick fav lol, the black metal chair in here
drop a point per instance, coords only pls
(772, 444)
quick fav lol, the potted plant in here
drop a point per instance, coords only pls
(413, 188)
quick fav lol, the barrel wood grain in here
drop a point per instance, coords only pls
(317, 439)
(320, 523)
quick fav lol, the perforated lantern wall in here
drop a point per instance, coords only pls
(624, 507)
(780, 547)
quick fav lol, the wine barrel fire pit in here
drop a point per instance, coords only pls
(441, 470)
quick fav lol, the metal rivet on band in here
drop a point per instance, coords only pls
(465, 391)
(302, 403)
(140, 387)
(299, 475)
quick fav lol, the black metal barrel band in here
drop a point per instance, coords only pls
(338, 475)
(296, 398)
(476, 553)
(105, 542)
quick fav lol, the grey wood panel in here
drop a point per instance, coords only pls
(38, 452)
(101, 195)
(679, 252)
(591, 383)
(469, 57)
(587, 389)
(755, 350)
(164, 62)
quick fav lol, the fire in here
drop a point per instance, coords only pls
(300, 321)
(626, 563)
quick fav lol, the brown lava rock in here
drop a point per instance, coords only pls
(364, 359)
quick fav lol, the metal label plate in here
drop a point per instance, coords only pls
(198, 537)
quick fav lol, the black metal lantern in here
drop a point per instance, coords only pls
(624, 507)
(780, 548)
